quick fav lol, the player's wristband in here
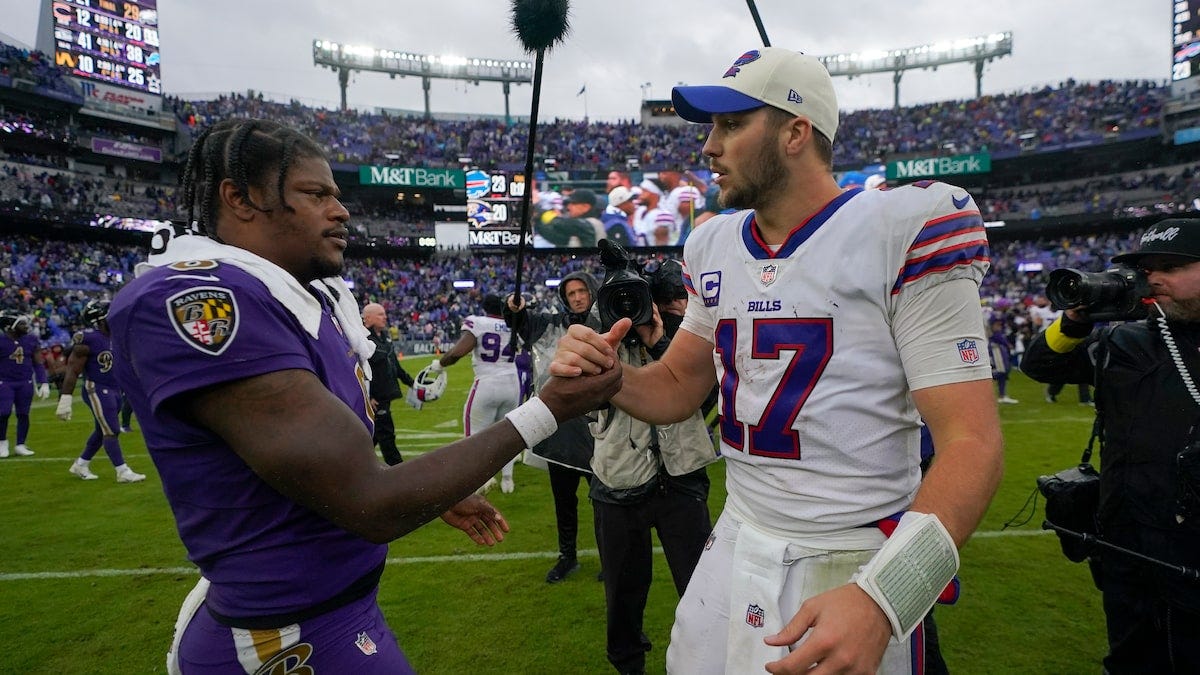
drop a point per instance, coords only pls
(533, 421)
(909, 572)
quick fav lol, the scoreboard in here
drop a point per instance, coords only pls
(494, 199)
(111, 41)
(1185, 40)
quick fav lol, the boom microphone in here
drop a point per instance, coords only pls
(762, 32)
(539, 25)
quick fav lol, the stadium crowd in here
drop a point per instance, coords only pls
(53, 280)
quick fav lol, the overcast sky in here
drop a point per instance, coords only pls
(617, 46)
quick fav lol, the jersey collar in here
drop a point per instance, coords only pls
(800, 234)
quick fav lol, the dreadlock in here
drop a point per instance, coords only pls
(246, 151)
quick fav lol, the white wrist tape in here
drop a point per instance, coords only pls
(909, 572)
(435, 366)
(533, 421)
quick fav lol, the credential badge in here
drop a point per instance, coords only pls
(205, 317)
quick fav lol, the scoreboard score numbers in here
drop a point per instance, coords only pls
(111, 41)
(1185, 40)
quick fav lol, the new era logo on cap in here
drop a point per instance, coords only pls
(794, 97)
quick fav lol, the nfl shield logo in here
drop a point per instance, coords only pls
(365, 644)
(768, 273)
(755, 616)
(968, 351)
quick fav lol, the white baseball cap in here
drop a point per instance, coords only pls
(793, 82)
(619, 195)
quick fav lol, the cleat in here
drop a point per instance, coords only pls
(3, 449)
(1006, 399)
(562, 569)
(128, 475)
(21, 451)
(506, 485)
(126, 430)
(83, 471)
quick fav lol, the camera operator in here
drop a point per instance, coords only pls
(568, 453)
(646, 476)
(1148, 405)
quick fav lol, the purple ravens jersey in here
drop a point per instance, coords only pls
(181, 328)
(16, 358)
(99, 368)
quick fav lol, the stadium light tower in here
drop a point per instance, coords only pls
(977, 50)
(345, 58)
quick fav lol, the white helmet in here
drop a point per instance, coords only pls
(429, 384)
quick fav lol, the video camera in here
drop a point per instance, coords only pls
(625, 292)
(1112, 295)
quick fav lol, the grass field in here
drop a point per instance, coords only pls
(92, 573)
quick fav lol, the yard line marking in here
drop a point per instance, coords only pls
(413, 560)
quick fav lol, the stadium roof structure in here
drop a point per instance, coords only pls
(978, 50)
(344, 58)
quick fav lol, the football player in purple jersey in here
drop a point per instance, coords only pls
(242, 352)
(21, 363)
(92, 357)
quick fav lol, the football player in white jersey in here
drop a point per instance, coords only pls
(833, 322)
(496, 389)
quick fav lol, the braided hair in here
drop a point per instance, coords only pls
(246, 151)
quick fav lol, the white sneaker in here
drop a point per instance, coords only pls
(1006, 399)
(21, 451)
(3, 449)
(83, 471)
(128, 475)
(506, 485)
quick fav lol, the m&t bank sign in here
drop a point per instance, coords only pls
(929, 167)
(412, 176)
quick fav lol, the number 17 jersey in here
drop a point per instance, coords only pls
(818, 343)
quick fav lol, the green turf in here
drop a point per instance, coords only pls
(92, 573)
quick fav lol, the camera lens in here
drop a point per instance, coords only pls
(626, 303)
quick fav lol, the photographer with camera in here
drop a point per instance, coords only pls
(568, 453)
(646, 476)
(1148, 407)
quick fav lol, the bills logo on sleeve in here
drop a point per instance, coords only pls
(205, 317)
(968, 351)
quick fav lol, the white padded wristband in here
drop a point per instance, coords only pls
(909, 572)
(533, 421)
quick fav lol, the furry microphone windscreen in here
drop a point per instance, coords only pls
(540, 24)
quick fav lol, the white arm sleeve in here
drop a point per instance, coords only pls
(939, 333)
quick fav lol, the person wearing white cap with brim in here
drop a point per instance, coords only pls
(835, 322)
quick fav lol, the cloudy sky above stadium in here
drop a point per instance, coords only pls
(624, 50)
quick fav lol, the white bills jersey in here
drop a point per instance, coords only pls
(493, 354)
(819, 342)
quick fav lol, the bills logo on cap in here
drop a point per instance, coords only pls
(968, 351)
(749, 57)
(365, 644)
(768, 273)
(755, 616)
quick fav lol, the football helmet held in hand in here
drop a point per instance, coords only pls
(430, 383)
